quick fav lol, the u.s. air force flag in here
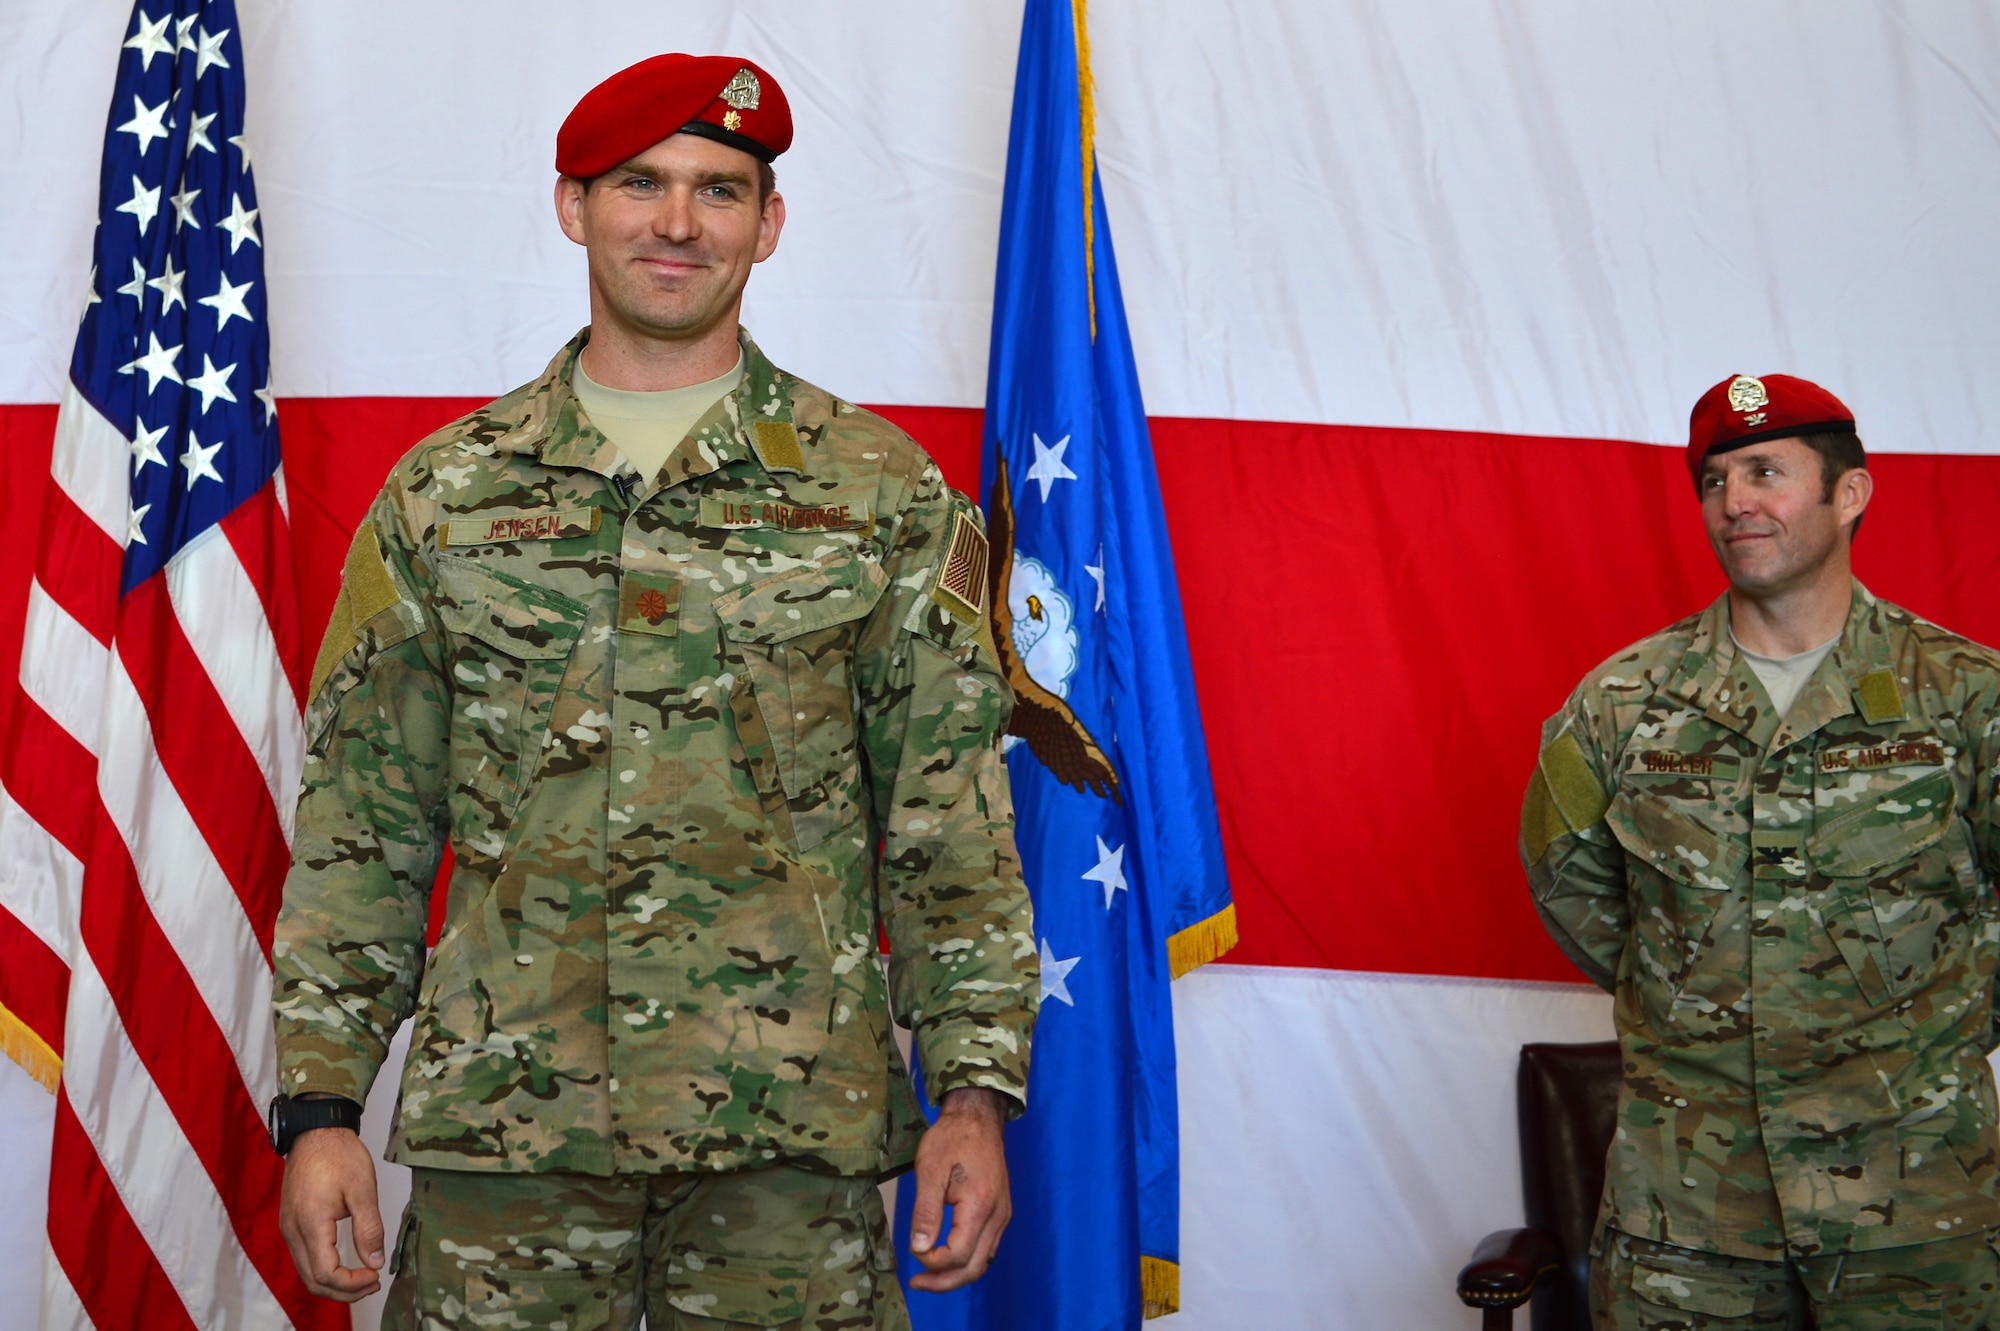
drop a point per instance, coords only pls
(1115, 811)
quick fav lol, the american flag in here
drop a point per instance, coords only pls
(154, 744)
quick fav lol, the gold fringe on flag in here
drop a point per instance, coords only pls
(28, 1049)
(1159, 1286)
(1086, 98)
(1201, 942)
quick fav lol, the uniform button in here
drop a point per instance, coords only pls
(524, 960)
(1689, 1183)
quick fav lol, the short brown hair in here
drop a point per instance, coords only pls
(1839, 452)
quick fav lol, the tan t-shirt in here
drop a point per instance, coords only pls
(646, 426)
(1784, 676)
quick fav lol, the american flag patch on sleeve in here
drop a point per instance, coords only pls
(961, 578)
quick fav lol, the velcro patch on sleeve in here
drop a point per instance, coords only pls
(338, 640)
(549, 524)
(1880, 699)
(366, 579)
(1541, 823)
(1572, 785)
(750, 511)
(778, 446)
(961, 575)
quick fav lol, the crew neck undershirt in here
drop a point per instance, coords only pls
(1784, 676)
(646, 426)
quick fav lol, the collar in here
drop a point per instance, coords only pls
(1856, 676)
(755, 422)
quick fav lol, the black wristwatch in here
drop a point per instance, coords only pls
(290, 1116)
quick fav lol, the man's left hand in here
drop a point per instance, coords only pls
(961, 1163)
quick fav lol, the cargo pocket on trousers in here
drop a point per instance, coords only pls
(1665, 1290)
(502, 1297)
(704, 1291)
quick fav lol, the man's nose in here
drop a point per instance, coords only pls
(674, 219)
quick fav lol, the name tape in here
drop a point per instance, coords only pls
(545, 525)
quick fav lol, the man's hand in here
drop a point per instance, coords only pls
(961, 1162)
(330, 1176)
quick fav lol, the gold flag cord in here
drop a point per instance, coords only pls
(1201, 942)
(1086, 98)
(1159, 1286)
(20, 1043)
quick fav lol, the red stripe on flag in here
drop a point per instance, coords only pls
(205, 755)
(34, 982)
(78, 564)
(51, 776)
(256, 530)
(192, 1066)
(108, 1262)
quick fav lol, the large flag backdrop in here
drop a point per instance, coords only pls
(1415, 294)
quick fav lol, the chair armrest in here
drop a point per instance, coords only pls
(1506, 1267)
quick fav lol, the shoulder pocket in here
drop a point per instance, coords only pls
(796, 634)
(525, 621)
(1666, 840)
(1895, 827)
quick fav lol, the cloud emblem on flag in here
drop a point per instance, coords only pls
(1044, 624)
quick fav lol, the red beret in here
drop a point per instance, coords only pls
(719, 97)
(1741, 410)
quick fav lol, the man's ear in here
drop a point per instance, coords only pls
(569, 207)
(769, 225)
(1851, 494)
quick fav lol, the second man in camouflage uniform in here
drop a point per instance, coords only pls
(699, 708)
(1770, 830)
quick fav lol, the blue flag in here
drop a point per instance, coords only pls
(1115, 810)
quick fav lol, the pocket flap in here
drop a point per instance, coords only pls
(1654, 832)
(1885, 831)
(760, 1291)
(525, 621)
(801, 600)
(1692, 1291)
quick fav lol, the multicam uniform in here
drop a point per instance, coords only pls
(691, 740)
(1798, 920)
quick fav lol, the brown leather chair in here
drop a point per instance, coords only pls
(1568, 1101)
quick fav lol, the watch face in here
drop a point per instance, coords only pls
(275, 1118)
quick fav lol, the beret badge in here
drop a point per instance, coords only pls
(1747, 395)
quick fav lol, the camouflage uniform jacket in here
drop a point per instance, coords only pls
(1797, 918)
(690, 741)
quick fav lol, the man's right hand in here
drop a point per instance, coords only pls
(330, 1176)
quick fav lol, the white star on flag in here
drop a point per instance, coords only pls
(1055, 975)
(241, 142)
(200, 461)
(169, 284)
(212, 383)
(147, 123)
(146, 446)
(227, 302)
(1048, 467)
(158, 362)
(183, 42)
(1096, 572)
(184, 207)
(241, 224)
(144, 204)
(264, 396)
(132, 532)
(1110, 870)
(136, 288)
(209, 51)
(198, 132)
(151, 40)
(92, 298)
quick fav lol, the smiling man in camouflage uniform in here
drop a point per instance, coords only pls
(687, 662)
(1770, 831)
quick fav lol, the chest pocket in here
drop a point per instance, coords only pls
(509, 643)
(1901, 870)
(796, 634)
(1680, 871)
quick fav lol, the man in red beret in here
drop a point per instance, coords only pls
(687, 662)
(1770, 831)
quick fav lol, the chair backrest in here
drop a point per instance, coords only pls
(1567, 1096)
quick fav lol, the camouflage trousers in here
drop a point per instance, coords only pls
(778, 1247)
(1639, 1285)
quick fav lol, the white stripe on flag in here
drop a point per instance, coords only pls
(191, 897)
(223, 617)
(92, 462)
(40, 881)
(62, 1310)
(168, 1194)
(62, 667)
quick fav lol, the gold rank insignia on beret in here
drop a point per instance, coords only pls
(742, 94)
